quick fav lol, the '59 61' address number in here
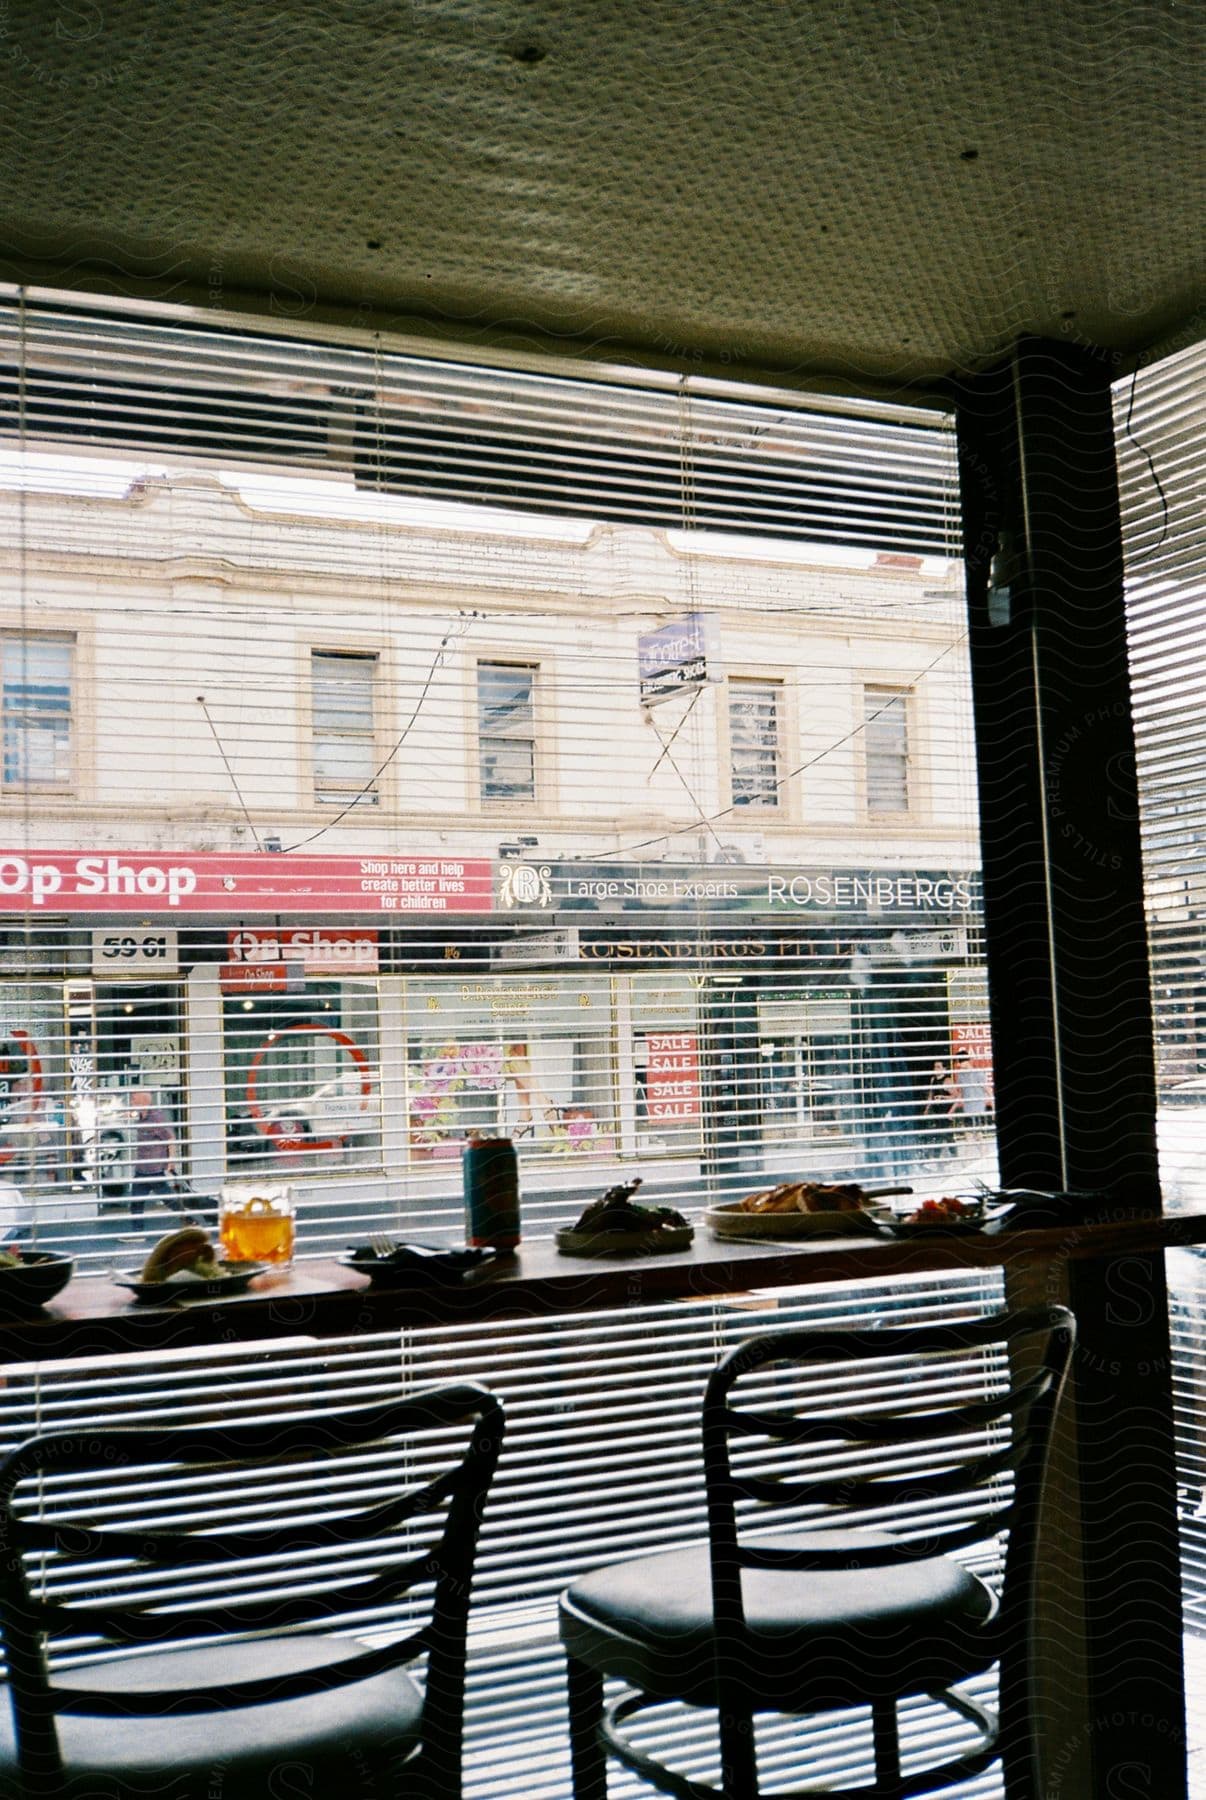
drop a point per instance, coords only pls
(127, 950)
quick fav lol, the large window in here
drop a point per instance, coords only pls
(754, 710)
(557, 916)
(37, 682)
(506, 723)
(345, 747)
(387, 845)
(303, 1088)
(1161, 446)
(886, 750)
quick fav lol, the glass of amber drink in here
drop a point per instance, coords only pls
(255, 1223)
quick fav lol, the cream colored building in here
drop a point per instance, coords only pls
(283, 673)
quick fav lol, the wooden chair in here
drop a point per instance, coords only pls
(866, 1597)
(182, 1611)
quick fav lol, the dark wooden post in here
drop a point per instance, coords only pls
(1071, 1017)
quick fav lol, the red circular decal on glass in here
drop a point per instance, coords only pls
(33, 1075)
(283, 1134)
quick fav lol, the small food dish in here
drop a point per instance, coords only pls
(730, 1220)
(407, 1263)
(182, 1266)
(616, 1226)
(230, 1278)
(29, 1278)
(947, 1217)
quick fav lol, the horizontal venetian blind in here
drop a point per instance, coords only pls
(1160, 418)
(557, 905)
(363, 789)
(456, 432)
(601, 1462)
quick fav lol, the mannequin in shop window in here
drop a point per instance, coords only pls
(156, 1159)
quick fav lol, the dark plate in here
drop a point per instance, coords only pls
(40, 1275)
(940, 1228)
(234, 1279)
(411, 1263)
(654, 1242)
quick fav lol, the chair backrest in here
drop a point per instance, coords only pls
(944, 1448)
(317, 1521)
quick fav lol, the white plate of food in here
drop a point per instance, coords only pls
(801, 1209)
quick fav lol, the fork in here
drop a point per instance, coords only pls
(381, 1244)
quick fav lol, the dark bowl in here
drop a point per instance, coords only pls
(37, 1278)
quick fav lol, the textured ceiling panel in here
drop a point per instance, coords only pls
(882, 192)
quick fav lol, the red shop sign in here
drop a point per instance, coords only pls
(260, 978)
(104, 881)
(319, 949)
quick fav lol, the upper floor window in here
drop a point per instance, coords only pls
(506, 728)
(345, 738)
(886, 749)
(754, 711)
(36, 676)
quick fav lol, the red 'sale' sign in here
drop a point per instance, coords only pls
(672, 1075)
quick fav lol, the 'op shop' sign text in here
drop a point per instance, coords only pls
(124, 881)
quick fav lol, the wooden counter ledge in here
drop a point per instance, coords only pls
(93, 1317)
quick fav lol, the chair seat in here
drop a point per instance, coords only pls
(814, 1638)
(348, 1742)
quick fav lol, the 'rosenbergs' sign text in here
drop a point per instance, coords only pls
(125, 881)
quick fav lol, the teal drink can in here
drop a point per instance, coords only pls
(491, 1177)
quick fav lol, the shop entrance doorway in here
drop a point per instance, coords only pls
(124, 1038)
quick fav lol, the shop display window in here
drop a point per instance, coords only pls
(530, 1058)
(302, 1076)
(806, 1061)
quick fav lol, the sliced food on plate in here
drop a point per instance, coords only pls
(799, 1209)
(813, 1197)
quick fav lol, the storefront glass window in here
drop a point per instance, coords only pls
(530, 1057)
(806, 1050)
(127, 1076)
(302, 1078)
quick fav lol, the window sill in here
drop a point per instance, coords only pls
(320, 1298)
